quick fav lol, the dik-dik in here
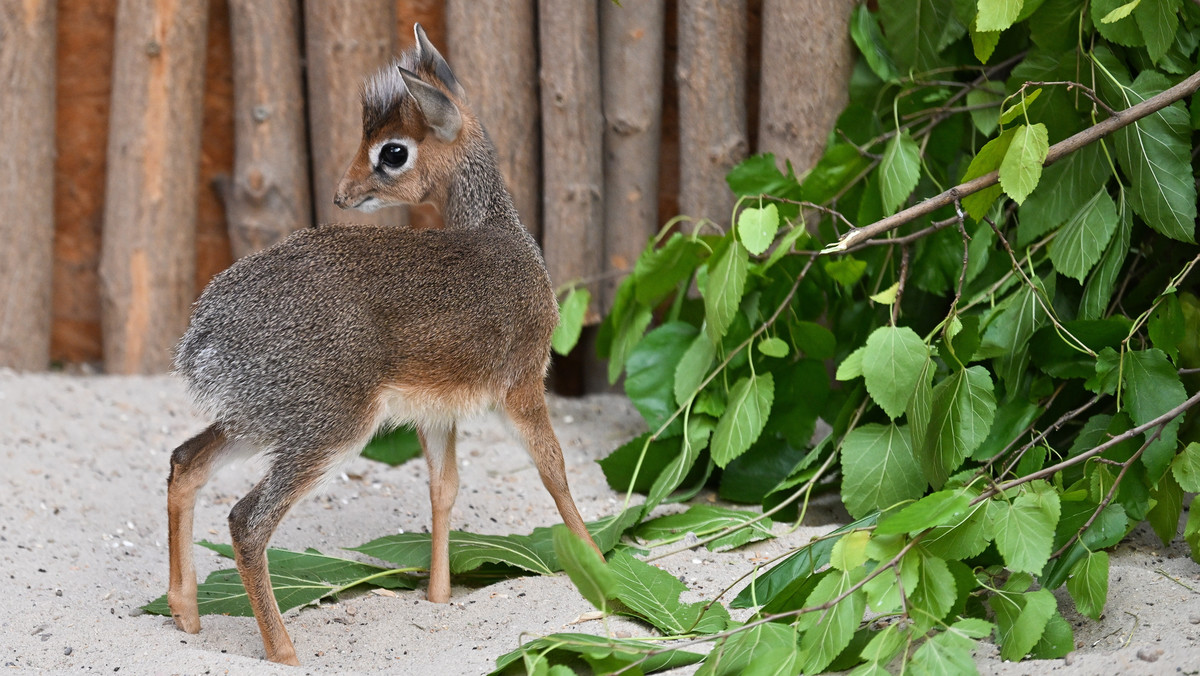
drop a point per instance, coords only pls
(304, 350)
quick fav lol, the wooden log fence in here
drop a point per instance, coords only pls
(574, 93)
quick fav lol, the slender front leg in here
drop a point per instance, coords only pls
(191, 465)
(443, 489)
(526, 406)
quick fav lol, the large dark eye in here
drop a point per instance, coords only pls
(393, 155)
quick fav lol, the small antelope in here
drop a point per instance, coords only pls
(302, 351)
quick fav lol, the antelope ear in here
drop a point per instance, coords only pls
(440, 113)
(431, 58)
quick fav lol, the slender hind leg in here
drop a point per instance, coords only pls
(253, 520)
(443, 489)
(191, 465)
(526, 407)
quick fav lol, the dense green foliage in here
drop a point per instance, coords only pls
(1006, 379)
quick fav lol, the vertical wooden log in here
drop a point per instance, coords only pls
(572, 141)
(268, 195)
(345, 43)
(807, 63)
(712, 103)
(26, 185)
(493, 52)
(632, 56)
(147, 260)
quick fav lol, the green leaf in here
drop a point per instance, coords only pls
(584, 566)
(838, 167)
(1100, 286)
(695, 439)
(899, 171)
(962, 538)
(693, 367)
(1120, 12)
(749, 406)
(1018, 109)
(864, 30)
(733, 655)
(773, 347)
(760, 175)
(635, 456)
(1158, 22)
(298, 578)
(757, 226)
(1168, 507)
(1166, 327)
(1088, 584)
(1024, 532)
(998, 15)
(394, 447)
(851, 366)
(652, 594)
(1186, 468)
(959, 421)
(917, 32)
(651, 367)
(659, 271)
(1079, 244)
(1057, 641)
(705, 520)
(935, 591)
(986, 161)
(723, 289)
(1020, 620)
(985, 109)
(1066, 186)
(949, 652)
(1155, 154)
(827, 634)
(799, 565)
(932, 510)
(846, 270)
(879, 469)
(629, 333)
(887, 296)
(1154, 389)
(565, 648)
(850, 551)
(571, 314)
(984, 43)
(1021, 168)
(891, 365)
(1113, 21)
(816, 341)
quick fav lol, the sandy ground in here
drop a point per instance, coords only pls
(83, 526)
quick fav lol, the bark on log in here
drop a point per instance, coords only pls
(573, 140)
(346, 42)
(632, 57)
(268, 194)
(493, 52)
(147, 261)
(803, 87)
(26, 185)
(712, 104)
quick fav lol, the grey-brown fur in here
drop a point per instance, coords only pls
(305, 349)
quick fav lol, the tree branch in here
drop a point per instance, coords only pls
(1057, 151)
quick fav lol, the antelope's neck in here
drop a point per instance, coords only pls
(476, 196)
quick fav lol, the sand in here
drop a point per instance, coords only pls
(83, 542)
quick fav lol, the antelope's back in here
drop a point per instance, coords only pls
(296, 342)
